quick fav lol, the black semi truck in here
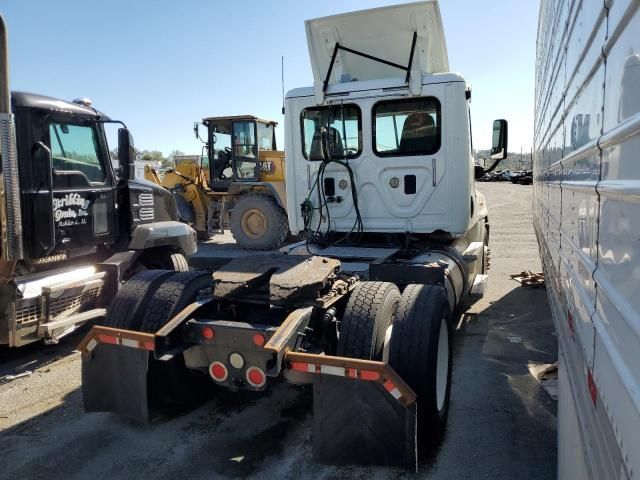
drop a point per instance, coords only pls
(72, 226)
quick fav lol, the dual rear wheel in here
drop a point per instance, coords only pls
(414, 331)
(145, 303)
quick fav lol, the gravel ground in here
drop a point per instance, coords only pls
(501, 424)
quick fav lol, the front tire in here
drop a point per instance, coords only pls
(258, 223)
(420, 352)
(164, 260)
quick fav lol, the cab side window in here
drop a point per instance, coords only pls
(343, 124)
(406, 127)
(75, 148)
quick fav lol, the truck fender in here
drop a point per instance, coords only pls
(165, 234)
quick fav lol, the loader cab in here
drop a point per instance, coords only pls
(235, 145)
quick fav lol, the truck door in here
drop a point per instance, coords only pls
(74, 211)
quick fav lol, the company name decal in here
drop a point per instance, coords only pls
(70, 210)
(267, 166)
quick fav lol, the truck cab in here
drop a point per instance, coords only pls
(380, 147)
(399, 154)
(79, 226)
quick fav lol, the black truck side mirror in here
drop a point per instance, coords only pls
(500, 137)
(126, 153)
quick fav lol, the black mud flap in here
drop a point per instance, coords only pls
(114, 379)
(359, 422)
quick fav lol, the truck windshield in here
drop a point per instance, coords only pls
(75, 148)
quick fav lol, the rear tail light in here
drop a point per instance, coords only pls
(259, 340)
(218, 371)
(208, 333)
(256, 377)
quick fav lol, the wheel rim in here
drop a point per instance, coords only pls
(254, 223)
(442, 368)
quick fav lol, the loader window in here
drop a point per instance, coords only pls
(406, 127)
(266, 137)
(244, 149)
(75, 148)
(344, 125)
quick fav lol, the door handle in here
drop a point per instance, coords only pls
(433, 171)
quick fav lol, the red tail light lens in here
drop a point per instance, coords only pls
(259, 340)
(208, 333)
(218, 371)
(256, 377)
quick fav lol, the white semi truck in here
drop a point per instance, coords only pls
(587, 219)
(381, 179)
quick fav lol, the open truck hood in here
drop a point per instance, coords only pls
(385, 33)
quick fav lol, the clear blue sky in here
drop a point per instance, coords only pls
(161, 65)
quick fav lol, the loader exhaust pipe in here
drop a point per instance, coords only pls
(11, 248)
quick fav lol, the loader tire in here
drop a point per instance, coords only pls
(258, 223)
(131, 301)
(370, 310)
(171, 383)
(420, 352)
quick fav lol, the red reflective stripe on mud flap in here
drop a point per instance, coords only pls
(300, 366)
(369, 375)
(108, 339)
(392, 389)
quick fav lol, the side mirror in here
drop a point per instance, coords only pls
(126, 153)
(499, 143)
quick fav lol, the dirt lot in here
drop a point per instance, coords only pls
(501, 424)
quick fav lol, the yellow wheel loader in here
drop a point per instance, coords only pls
(239, 185)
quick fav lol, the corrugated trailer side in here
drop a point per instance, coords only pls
(587, 219)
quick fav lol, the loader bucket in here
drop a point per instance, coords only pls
(115, 369)
(363, 413)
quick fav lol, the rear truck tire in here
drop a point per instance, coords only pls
(174, 294)
(370, 310)
(420, 352)
(131, 301)
(171, 383)
(165, 260)
(258, 223)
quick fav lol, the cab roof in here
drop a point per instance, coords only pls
(237, 118)
(33, 100)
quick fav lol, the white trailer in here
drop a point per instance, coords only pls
(587, 219)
